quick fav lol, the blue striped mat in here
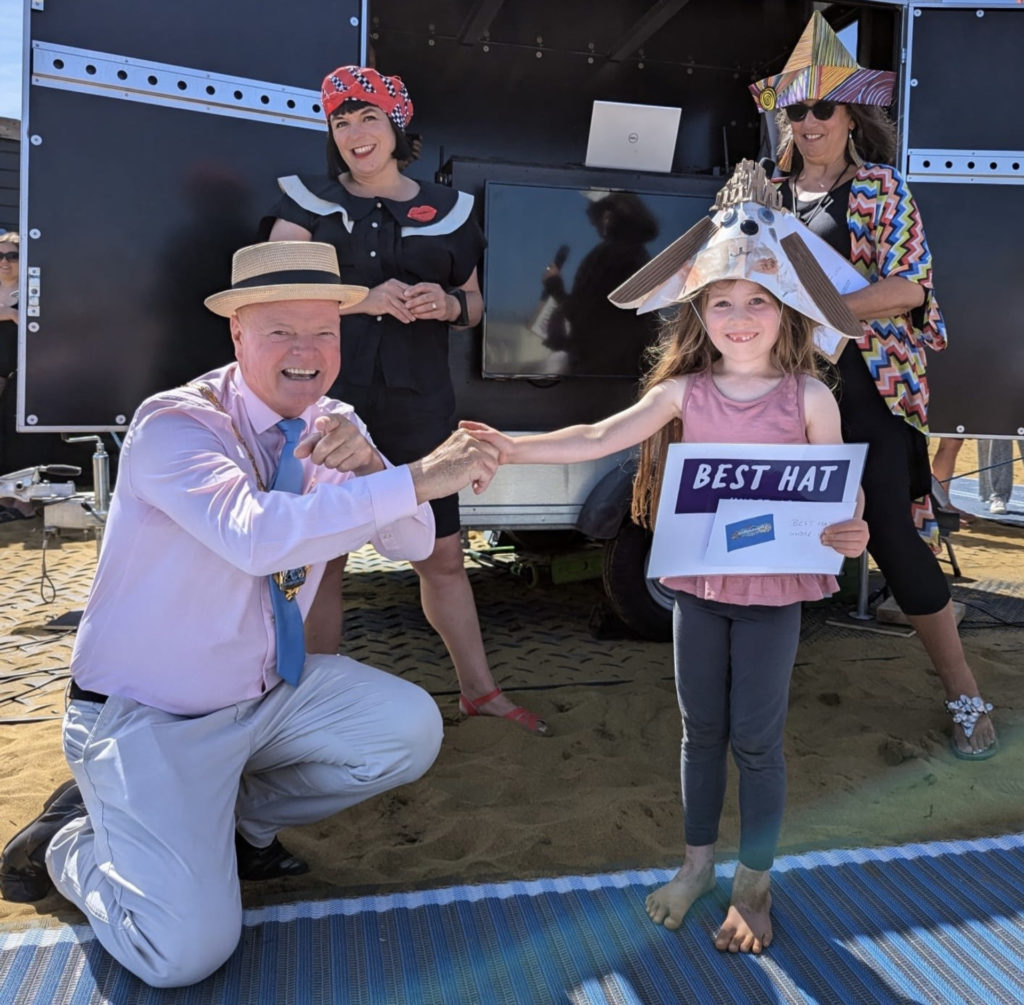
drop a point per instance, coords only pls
(929, 923)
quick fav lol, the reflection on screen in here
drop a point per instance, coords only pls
(553, 256)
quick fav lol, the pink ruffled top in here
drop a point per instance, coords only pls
(776, 417)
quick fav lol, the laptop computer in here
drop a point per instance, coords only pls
(634, 137)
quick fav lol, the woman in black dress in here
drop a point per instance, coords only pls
(416, 245)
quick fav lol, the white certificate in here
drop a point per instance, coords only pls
(728, 508)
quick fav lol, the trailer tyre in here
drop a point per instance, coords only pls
(643, 604)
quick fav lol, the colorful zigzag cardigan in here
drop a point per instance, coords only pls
(887, 239)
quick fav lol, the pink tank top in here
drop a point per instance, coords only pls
(776, 417)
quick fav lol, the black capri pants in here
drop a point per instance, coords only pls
(896, 471)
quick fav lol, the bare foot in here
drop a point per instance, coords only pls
(748, 925)
(669, 903)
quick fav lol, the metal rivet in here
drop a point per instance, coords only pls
(35, 232)
(35, 139)
(539, 54)
(979, 13)
(32, 420)
(33, 326)
(487, 48)
(120, 420)
(913, 82)
(431, 42)
(354, 21)
(961, 429)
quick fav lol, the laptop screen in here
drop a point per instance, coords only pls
(632, 137)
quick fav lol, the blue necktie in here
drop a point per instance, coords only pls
(288, 629)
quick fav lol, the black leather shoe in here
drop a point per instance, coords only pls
(271, 862)
(23, 875)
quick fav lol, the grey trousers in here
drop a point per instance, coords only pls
(996, 459)
(153, 867)
(733, 664)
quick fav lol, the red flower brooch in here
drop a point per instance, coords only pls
(422, 214)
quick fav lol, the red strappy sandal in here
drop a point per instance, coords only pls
(528, 720)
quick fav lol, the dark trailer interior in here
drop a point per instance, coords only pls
(154, 135)
(158, 133)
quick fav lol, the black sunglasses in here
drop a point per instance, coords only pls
(11, 256)
(821, 110)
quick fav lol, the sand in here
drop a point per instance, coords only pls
(866, 741)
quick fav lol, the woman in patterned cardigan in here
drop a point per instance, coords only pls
(837, 154)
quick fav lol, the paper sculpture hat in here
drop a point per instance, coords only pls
(749, 237)
(821, 69)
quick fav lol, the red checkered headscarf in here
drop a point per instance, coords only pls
(363, 83)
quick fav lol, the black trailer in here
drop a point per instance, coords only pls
(153, 134)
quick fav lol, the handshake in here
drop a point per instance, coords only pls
(467, 457)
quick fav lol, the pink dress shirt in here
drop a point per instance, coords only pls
(179, 616)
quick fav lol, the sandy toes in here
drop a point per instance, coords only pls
(669, 903)
(748, 925)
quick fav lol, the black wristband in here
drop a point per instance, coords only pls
(462, 321)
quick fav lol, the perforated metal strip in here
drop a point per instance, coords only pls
(127, 79)
(980, 167)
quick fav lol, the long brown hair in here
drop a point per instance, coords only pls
(874, 136)
(685, 347)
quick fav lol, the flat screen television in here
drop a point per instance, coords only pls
(553, 256)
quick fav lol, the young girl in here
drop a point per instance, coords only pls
(735, 366)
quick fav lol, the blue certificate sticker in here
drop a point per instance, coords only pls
(753, 530)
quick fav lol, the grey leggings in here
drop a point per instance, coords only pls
(733, 665)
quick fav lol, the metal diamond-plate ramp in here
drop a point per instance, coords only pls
(43, 580)
(535, 636)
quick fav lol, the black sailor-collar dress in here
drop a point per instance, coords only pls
(433, 237)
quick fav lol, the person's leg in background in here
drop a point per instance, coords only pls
(943, 467)
(325, 622)
(996, 460)
(911, 570)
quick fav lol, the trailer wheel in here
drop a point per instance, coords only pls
(643, 604)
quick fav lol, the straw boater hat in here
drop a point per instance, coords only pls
(284, 270)
(821, 69)
(749, 237)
